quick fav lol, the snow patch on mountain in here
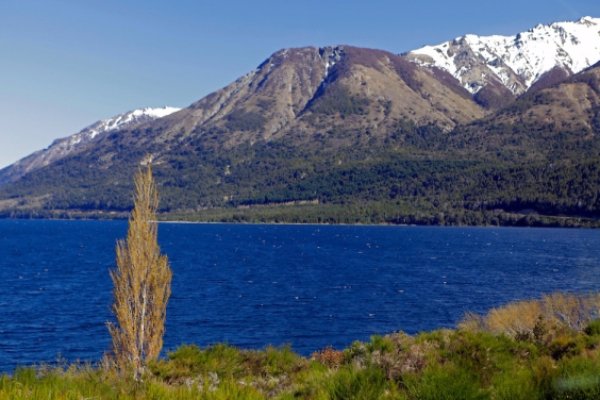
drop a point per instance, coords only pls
(125, 120)
(516, 61)
(61, 148)
(332, 56)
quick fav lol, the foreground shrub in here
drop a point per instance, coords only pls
(593, 328)
(444, 382)
(514, 384)
(515, 320)
(571, 311)
(352, 383)
(553, 314)
(329, 356)
(579, 379)
(188, 361)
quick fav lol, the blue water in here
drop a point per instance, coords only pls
(254, 285)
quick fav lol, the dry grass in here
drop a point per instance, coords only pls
(558, 311)
(514, 319)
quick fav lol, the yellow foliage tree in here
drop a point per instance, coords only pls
(142, 284)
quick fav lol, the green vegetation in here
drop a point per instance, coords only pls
(274, 182)
(245, 121)
(390, 212)
(544, 349)
(339, 100)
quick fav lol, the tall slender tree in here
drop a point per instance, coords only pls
(142, 284)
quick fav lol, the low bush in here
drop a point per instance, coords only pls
(552, 315)
(356, 383)
(445, 382)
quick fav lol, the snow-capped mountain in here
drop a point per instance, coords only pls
(517, 62)
(121, 121)
(71, 144)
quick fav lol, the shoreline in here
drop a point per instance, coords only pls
(328, 224)
(273, 223)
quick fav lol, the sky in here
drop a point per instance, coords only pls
(65, 64)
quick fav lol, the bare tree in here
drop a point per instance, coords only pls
(142, 284)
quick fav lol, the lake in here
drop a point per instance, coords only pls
(254, 285)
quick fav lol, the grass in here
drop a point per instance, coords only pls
(542, 349)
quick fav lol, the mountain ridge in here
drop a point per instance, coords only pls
(518, 61)
(301, 89)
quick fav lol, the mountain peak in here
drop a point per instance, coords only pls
(589, 20)
(517, 62)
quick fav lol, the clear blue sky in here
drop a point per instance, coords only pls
(67, 63)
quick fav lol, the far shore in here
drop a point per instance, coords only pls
(283, 223)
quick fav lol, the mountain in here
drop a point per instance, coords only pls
(345, 134)
(300, 114)
(310, 90)
(548, 123)
(496, 69)
(61, 148)
(542, 151)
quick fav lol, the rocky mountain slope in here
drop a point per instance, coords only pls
(310, 90)
(61, 148)
(496, 68)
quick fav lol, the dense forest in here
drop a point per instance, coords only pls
(410, 177)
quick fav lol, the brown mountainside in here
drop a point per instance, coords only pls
(306, 90)
(544, 122)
